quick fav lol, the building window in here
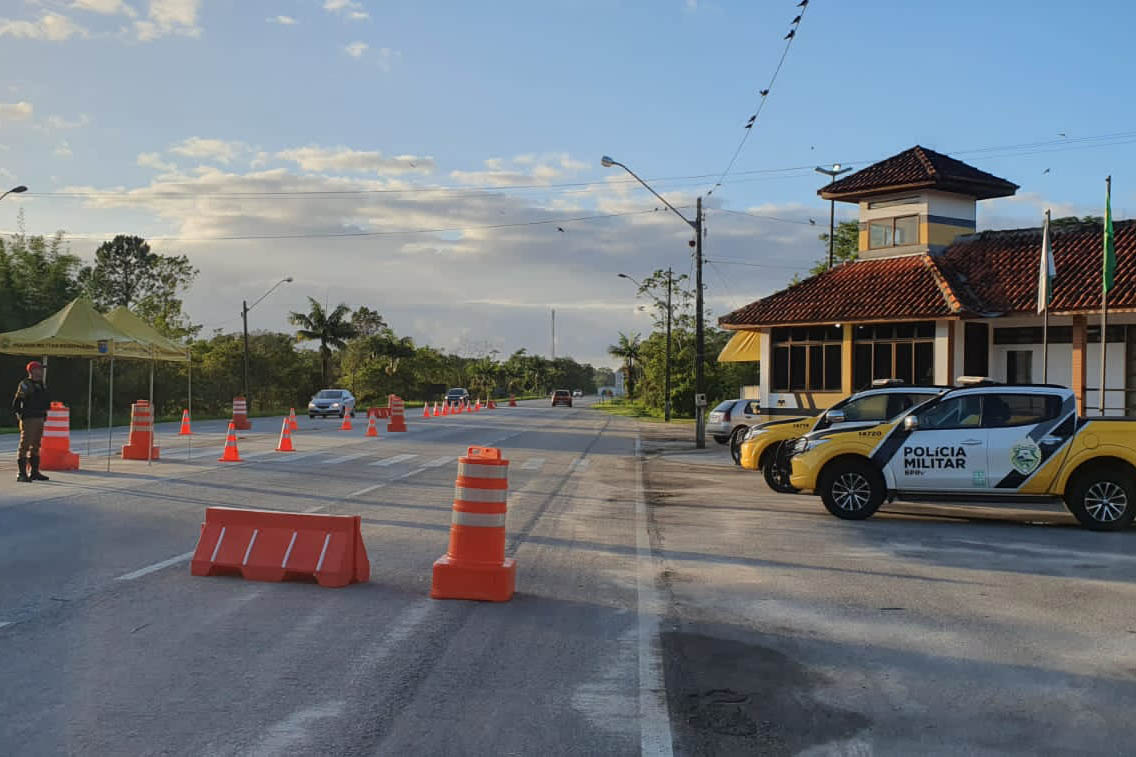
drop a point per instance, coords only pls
(807, 358)
(1019, 367)
(904, 351)
(893, 232)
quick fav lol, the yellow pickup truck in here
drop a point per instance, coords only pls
(761, 446)
(984, 444)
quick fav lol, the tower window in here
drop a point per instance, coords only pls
(893, 232)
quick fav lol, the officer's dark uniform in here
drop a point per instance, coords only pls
(30, 405)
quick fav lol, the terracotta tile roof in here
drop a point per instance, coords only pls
(906, 287)
(1002, 267)
(918, 168)
(992, 273)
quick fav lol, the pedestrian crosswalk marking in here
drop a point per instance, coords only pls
(395, 459)
(344, 458)
(439, 461)
(533, 463)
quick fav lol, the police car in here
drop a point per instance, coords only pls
(762, 447)
(982, 443)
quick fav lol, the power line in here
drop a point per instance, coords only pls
(763, 217)
(795, 25)
(723, 261)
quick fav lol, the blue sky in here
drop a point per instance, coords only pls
(133, 100)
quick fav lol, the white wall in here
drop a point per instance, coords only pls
(942, 350)
(951, 205)
(765, 375)
(1061, 371)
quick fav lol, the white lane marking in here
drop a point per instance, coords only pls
(284, 736)
(293, 457)
(315, 509)
(654, 718)
(361, 492)
(533, 463)
(437, 462)
(408, 474)
(395, 459)
(344, 459)
(3, 623)
(580, 463)
(157, 566)
(258, 453)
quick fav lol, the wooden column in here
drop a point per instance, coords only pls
(1080, 339)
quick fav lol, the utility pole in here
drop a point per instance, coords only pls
(699, 336)
(245, 318)
(667, 400)
(554, 333)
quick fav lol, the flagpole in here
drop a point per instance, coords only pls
(1045, 316)
(1104, 294)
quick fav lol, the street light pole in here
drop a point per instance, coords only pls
(14, 191)
(832, 173)
(699, 334)
(245, 308)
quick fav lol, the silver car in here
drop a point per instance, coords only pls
(332, 402)
(732, 416)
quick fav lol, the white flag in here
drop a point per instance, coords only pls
(1048, 272)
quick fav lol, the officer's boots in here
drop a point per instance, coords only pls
(35, 474)
(22, 465)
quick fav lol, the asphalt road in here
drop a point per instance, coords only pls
(108, 646)
(666, 601)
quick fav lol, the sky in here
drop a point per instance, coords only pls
(440, 161)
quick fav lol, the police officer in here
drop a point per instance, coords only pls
(30, 406)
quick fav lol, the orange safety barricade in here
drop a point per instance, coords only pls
(475, 566)
(141, 433)
(55, 449)
(185, 429)
(265, 545)
(397, 414)
(240, 414)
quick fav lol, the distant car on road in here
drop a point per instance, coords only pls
(578, 393)
(562, 397)
(457, 396)
(333, 402)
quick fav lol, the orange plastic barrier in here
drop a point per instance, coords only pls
(512, 401)
(475, 566)
(141, 433)
(240, 414)
(292, 422)
(397, 414)
(265, 545)
(185, 429)
(55, 450)
(285, 443)
(372, 429)
(231, 453)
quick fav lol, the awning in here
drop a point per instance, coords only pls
(743, 347)
(149, 342)
(78, 330)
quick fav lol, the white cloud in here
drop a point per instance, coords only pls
(345, 160)
(387, 57)
(21, 111)
(348, 8)
(53, 27)
(282, 20)
(154, 160)
(106, 7)
(167, 17)
(356, 49)
(214, 149)
(63, 150)
(59, 122)
(523, 169)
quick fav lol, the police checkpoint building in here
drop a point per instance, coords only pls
(930, 299)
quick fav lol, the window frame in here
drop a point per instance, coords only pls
(806, 342)
(891, 222)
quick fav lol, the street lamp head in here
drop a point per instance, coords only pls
(835, 166)
(623, 276)
(288, 280)
(18, 190)
(607, 162)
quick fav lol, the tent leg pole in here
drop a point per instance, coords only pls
(153, 419)
(110, 411)
(189, 406)
(90, 396)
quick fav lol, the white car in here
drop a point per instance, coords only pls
(577, 393)
(332, 402)
(733, 416)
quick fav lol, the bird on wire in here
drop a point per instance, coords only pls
(791, 34)
(797, 20)
(764, 92)
(1045, 171)
(560, 229)
(803, 3)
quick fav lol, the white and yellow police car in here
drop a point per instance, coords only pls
(982, 443)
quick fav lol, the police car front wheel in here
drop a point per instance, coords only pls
(851, 490)
(1103, 499)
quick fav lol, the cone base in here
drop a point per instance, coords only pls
(185, 433)
(233, 459)
(488, 583)
(138, 453)
(58, 460)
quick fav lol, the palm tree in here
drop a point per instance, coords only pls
(329, 329)
(627, 350)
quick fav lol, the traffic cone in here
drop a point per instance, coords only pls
(446, 408)
(185, 423)
(231, 454)
(285, 443)
(426, 410)
(372, 429)
(346, 425)
(292, 422)
(512, 400)
(468, 407)
(477, 405)
(436, 413)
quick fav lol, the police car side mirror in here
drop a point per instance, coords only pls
(911, 423)
(834, 416)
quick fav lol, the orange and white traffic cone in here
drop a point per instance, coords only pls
(292, 422)
(426, 410)
(436, 413)
(372, 429)
(445, 408)
(285, 443)
(475, 566)
(185, 431)
(346, 425)
(231, 454)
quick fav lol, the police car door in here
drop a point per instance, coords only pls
(1024, 429)
(946, 453)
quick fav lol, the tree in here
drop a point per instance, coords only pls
(367, 322)
(329, 329)
(844, 250)
(127, 273)
(1072, 221)
(627, 349)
